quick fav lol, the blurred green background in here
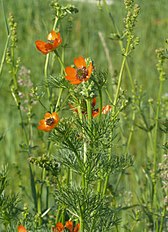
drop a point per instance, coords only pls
(81, 31)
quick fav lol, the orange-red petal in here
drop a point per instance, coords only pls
(80, 62)
(90, 68)
(21, 229)
(57, 41)
(71, 73)
(77, 227)
(54, 41)
(58, 228)
(94, 102)
(47, 115)
(69, 225)
(52, 35)
(44, 125)
(75, 82)
(41, 124)
(43, 47)
(106, 109)
(55, 116)
(95, 113)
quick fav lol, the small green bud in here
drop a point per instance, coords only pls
(62, 11)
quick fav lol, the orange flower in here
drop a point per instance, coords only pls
(95, 111)
(58, 228)
(79, 74)
(54, 40)
(71, 228)
(105, 110)
(77, 227)
(49, 122)
(68, 225)
(21, 229)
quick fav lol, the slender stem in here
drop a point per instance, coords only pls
(105, 184)
(132, 85)
(42, 104)
(23, 126)
(62, 71)
(115, 103)
(156, 124)
(47, 196)
(156, 140)
(81, 225)
(99, 184)
(46, 80)
(130, 78)
(84, 147)
(51, 109)
(46, 70)
(89, 112)
(55, 22)
(100, 104)
(162, 219)
(7, 41)
(65, 100)
(4, 54)
(59, 98)
(121, 73)
(131, 131)
(38, 191)
(60, 61)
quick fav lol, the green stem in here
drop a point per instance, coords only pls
(55, 22)
(100, 104)
(59, 99)
(99, 184)
(162, 220)
(130, 78)
(156, 140)
(7, 41)
(65, 100)
(89, 112)
(69, 177)
(46, 80)
(81, 223)
(109, 97)
(131, 131)
(60, 61)
(23, 126)
(46, 70)
(4, 54)
(38, 191)
(62, 71)
(114, 108)
(121, 74)
(105, 184)
(156, 124)
(84, 150)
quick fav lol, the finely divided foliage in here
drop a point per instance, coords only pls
(81, 157)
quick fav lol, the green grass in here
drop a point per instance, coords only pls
(34, 21)
(81, 32)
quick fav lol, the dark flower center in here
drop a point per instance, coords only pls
(82, 73)
(49, 121)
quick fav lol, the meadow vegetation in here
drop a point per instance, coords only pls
(91, 149)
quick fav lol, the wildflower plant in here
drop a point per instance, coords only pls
(76, 149)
